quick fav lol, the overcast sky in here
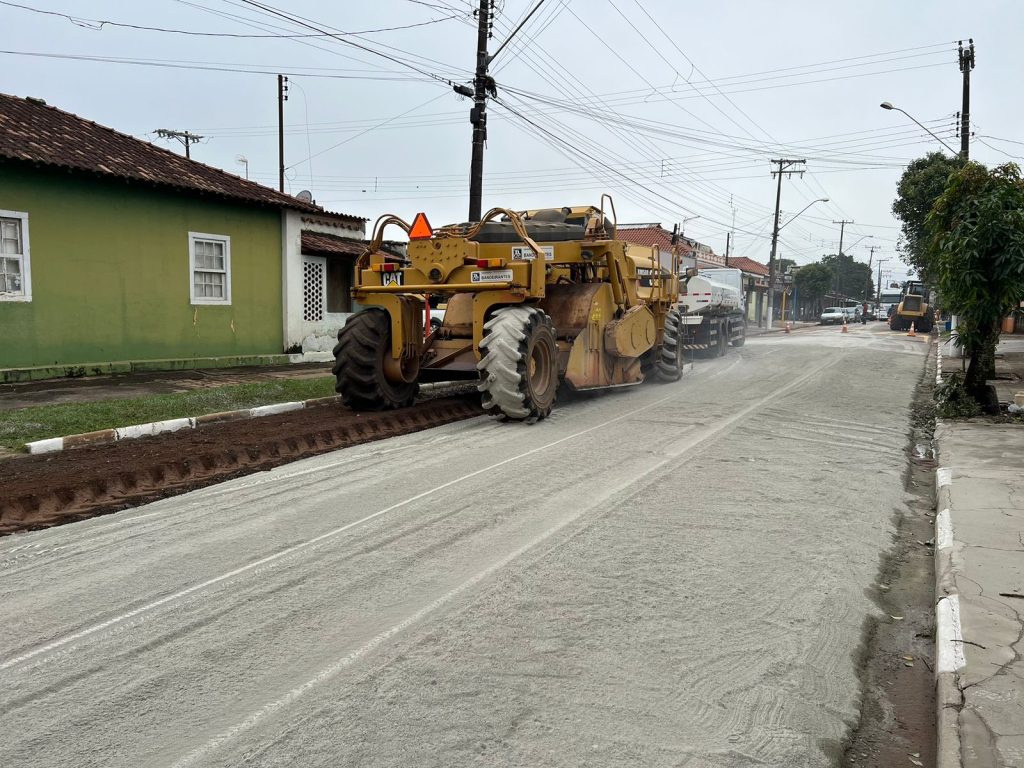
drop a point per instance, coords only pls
(673, 107)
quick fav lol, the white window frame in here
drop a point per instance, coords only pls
(26, 261)
(226, 240)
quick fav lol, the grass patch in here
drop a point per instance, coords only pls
(44, 421)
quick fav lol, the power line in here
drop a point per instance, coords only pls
(98, 24)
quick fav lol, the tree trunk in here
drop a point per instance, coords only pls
(981, 368)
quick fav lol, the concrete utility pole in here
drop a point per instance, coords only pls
(482, 83)
(871, 256)
(185, 137)
(966, 65)
(842, 229)
(282, 97)
(784, 166)
(878, 284)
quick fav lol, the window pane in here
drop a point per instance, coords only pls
(209, 254)
(209, 285)
(10, 266)
(10, 236)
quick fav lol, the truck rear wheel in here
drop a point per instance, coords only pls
(669, 363)
(519, 367)
(740, 340)
(359, 375)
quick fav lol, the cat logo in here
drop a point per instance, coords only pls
(390, 278)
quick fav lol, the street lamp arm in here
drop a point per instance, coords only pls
(887, 105)
(819, 200)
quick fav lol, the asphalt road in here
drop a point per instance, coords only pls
(666, 575)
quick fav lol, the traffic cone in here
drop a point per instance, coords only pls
(912, 331)
(845, 329)
(789, 327)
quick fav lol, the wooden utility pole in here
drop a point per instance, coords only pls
(282, 97)
(784, 167)
(966, 65)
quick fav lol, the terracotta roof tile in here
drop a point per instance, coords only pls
(32, 132)
(649, 234)
(317, 242)
(748, 265)
(321, 243)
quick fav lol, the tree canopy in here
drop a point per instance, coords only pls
(918, 189)
(975, 245)
(813, 281)
(851, 278)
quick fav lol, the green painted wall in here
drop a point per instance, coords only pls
(110, 274)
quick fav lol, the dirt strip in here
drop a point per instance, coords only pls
(52, 489)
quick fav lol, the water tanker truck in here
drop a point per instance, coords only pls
(713, 311)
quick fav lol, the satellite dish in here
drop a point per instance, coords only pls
(305, 196)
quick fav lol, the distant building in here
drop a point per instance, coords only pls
(695, 253)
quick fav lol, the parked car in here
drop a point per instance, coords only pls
(832, 316)
(853, 314)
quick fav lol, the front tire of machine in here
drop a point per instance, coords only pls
(359, 364)
(519, 366)
(669, 365)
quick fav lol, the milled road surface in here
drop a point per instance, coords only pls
(668, 575)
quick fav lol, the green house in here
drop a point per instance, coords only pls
(118, 255)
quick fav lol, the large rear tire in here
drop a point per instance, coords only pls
(740, 340)
(519, 367)
(358, 368)
(723, 338)
(669, 363)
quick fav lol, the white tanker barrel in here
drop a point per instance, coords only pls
(703, 294)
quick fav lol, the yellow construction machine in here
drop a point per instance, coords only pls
(534, 299)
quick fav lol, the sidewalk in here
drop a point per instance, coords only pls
(979, 577)
(118, 386)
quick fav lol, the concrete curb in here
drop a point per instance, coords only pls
(949, 642)
(134, 431)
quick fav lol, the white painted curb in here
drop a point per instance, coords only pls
(53, 444)
(270, 410)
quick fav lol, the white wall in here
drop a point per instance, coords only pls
(310, 336)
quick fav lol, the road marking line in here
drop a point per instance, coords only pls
(303, 545)
(676, 449)
(949, 642)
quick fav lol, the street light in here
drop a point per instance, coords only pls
(682, 226)
(888, 105)
(819, 200)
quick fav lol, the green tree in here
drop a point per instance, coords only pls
(813, 282)
(918, 189)
(976, 246)
(852, 278)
